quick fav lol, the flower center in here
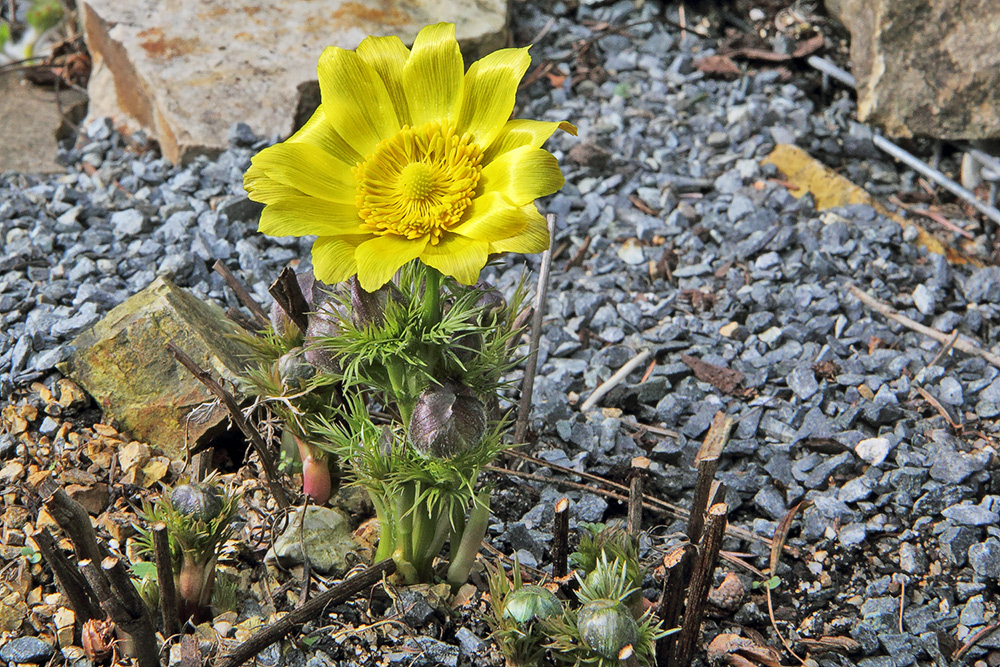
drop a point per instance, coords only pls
(419, 182)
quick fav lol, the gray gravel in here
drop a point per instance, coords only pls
(901, 501)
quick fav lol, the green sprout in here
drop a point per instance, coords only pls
(517, 614)
(198, 518)
(611, 541)
(604, 631)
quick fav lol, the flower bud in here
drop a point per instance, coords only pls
(200, 502)
(294, 368)
(447, 420)
(491, 301)
(607, 627)
(532, 602)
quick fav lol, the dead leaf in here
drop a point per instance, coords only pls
(740, 652)
(717, 65)
(831, 190)
(724, 379)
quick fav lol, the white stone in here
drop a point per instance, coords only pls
(186, 70)
(631, 253)
(873, 450)
(924, 300)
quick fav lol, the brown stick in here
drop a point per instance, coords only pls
(531, 364)
(241, 292)
(707, 462)
(579, 255)
(74, 586)
(963, 343)
(73, 519)
(287, 293)
(284, 625)
(190, 653)
(119, 602)
(672, 597)
(640, 465)
(701, 581)
(273, 480)
(165, 578)
(560, 538)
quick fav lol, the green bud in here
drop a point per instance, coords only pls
(44, 15)
(200, 502)
(447, 419)
(607, 627)
(532, 602)
(4, 33)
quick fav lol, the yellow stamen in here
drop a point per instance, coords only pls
(419, 182)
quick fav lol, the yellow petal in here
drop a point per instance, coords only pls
(355, 101)
(433, 76)
(491, 218)
(387, 55)
(319, 132)
(523, 132)
(490, 87)
(333, 257)
(457, 256)
(379, 258)
(309, 169)
(522, 175)
(534, 237)
(302, 215)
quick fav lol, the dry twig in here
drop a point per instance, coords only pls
(531, 366)
(962, 343)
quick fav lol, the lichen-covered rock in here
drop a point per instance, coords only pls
(325, 536)
(926, 67)
(123, 362)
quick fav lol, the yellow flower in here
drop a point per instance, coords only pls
(410, 157)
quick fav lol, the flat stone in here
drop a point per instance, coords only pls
(873, 450)
(31, 121)
(165, 67)
(324, 536)
(938, 75)
(124, 363)
(30, 650)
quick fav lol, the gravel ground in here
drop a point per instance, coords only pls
(694, 248)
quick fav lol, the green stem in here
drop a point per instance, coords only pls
(397, 379)
(472, 539)
(387, 530)
(432, 297)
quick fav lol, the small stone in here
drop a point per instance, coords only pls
(468, 642)
(803, 382)
(873, 450)
(771, 336)
(631, 253)
(129, 223)
(985, 558)
(852, 534)
(924, 300)
(30, 650)
(950, 391)
(912, 559)
(974, 612)
(971, 515)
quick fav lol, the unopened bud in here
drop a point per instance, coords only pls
(491, 301)
(607, 627)
(532, 602)
(294, 368)
(447, 420)
(201, 502)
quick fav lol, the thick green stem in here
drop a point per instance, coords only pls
(432, 297)
(387, 529)
(472, 539)
(404, 397)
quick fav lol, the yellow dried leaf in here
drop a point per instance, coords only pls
(805, 174)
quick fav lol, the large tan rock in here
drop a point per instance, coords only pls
(186, 70)
(123, 362)
(926, 67)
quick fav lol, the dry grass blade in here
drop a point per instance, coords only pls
(781, 534)
(973, 640)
